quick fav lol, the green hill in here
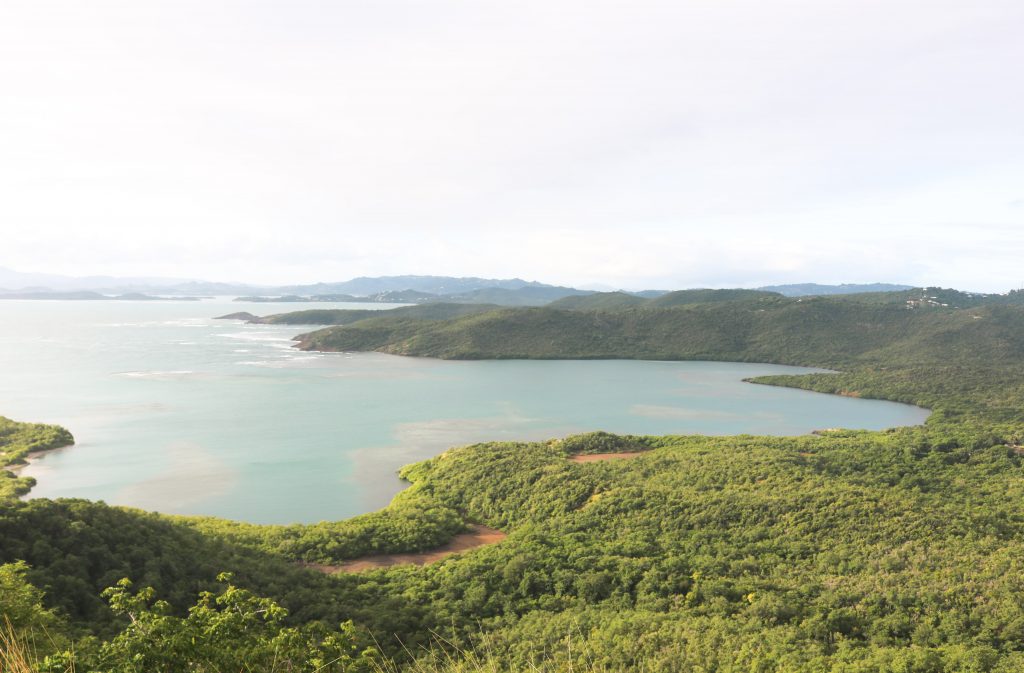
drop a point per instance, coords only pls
(429, 311)
(899, 551)
(684, 297)
(599, 301)
(815, 289)
(523, 296)
(819, 331)
(614, 301)
(938, 297)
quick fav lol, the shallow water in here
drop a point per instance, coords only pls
(179, 413)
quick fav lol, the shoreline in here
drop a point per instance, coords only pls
(26, 460)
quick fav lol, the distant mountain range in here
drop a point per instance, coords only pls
(811, 289)
(12, 282)
(15, 282)
(436, 285)
(390, 289)
(530, 295)
(88, 295)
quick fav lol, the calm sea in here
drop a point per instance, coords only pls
(176, 412)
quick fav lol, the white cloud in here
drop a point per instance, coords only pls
(641, 144)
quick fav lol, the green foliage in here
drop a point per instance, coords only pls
(75, 549)
(603, 442)
(843, 551)
(523, 296)
(599, 301)
(847, 550)
(615, 301)
(411, 523)
(823, 552)
(819, 331)
(317, 316)
(706, 296)
(232, 629)
(938, 298)
(31, 635)
(21, 603)
(18, 440)
(431, 311)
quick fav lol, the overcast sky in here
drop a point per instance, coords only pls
(633, 144)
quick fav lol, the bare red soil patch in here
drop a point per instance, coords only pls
(594, 457)
(476, 536)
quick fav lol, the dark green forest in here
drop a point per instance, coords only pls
(432, 311)
(899, 551)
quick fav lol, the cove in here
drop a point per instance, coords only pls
(176, 412)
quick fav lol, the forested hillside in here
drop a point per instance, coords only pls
(843, 551)
(431, 311)
(840, 332)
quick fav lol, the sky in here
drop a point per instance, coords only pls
(710, 143)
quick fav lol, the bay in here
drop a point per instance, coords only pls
(177, 412)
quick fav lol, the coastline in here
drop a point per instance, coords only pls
(27, 459)
(15, 469)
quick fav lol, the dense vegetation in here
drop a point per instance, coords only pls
(824, 331)
(433, 311)
(412, 522)
(17, 441)
(843, 551)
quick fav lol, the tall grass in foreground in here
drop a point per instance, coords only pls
(14, 654)
(17, 655)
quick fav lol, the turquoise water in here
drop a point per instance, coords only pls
(179, 413)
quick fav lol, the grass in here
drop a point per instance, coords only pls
(19, 655)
